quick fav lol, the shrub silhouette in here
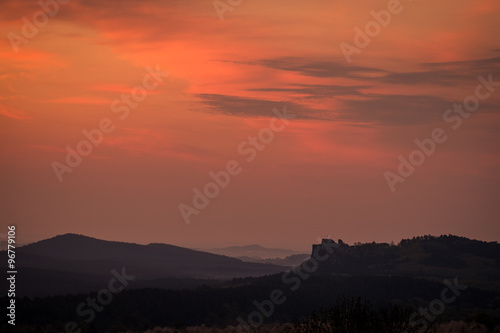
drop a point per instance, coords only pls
(356, 316)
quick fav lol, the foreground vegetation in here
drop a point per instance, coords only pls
(143, 309)
(347, 315)
(451, 327)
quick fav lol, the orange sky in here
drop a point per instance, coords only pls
(322, 175)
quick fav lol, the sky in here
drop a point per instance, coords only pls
(308, 112)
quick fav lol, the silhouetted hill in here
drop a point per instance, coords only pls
(474, 262)
(80, 263)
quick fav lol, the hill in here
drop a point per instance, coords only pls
(476, 263)
(73, 263)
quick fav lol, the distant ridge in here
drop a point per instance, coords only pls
(80, 263)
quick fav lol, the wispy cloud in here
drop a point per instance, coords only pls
(322, 68)
(13, 113)
(253, 107)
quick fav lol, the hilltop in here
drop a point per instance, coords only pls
(474, 262)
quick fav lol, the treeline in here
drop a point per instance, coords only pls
(144, 309)
(476, 262)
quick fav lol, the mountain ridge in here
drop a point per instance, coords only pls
(65, 255)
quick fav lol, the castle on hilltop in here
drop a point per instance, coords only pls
(329, 248)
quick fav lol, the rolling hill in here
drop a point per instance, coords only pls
(73, 263)
(476, 263)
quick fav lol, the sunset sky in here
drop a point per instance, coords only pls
(323, 174)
